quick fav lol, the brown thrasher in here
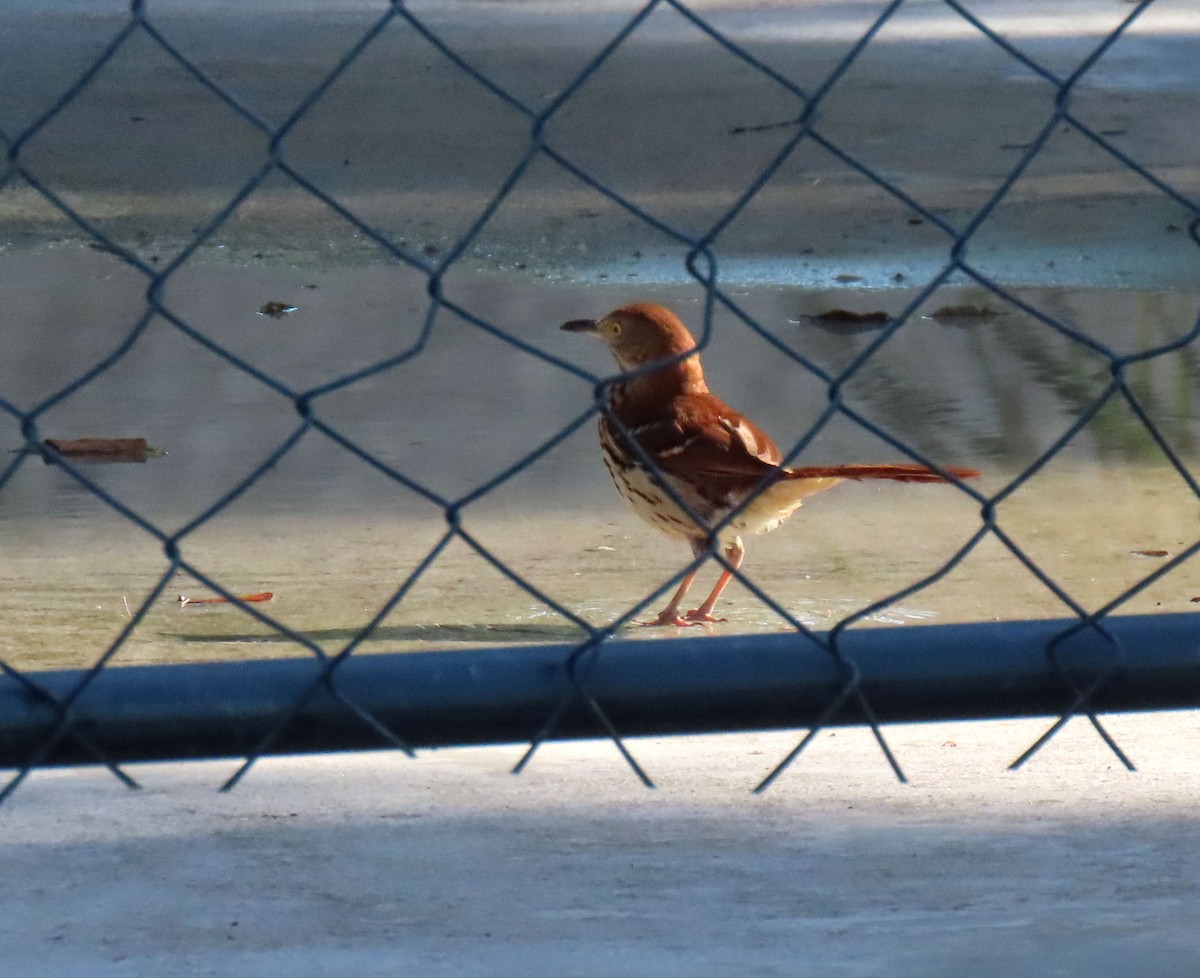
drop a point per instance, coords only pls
(711, 457)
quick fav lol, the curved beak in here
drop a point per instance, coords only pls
(580, 326)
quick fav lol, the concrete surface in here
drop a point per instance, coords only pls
(448, 866)
(673, 122)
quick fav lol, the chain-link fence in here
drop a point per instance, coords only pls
(592, 685)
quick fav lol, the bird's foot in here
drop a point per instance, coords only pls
(698, 616)
(671, 617)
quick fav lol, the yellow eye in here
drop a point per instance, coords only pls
(615, 328)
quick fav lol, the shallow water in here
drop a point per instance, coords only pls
(991, 392)
(333, 538)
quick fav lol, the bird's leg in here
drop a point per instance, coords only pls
(735, 553)
(670, 614)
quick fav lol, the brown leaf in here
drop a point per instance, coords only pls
(845, 321)
(965, 312)
(103, 449)
(1151, 553)
(184, 600)
(276, 309)
(846, 316)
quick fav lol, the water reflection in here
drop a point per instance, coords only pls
(334, 537)
(991, 392)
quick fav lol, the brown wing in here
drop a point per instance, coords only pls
(699, 436)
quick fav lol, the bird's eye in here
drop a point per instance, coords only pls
(615, 328)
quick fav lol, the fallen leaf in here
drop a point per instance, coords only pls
(1151, 553)
(184, 600)
(846, 316)
(846, 322)
(965, 312)
(103, 449)
(276, 309)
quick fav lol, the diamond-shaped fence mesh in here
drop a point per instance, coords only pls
(326, 169)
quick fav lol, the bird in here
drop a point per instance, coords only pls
(662, 429)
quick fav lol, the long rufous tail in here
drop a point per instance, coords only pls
(897, 473)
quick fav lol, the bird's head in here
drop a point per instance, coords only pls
(640, 334)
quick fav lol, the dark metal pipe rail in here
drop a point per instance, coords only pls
(438, 699)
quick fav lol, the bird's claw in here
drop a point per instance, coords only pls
(662, 621)
(670, 617)
(673, 618)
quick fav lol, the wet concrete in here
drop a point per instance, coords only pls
(333, 537)
(467, 403)
(458, 407)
